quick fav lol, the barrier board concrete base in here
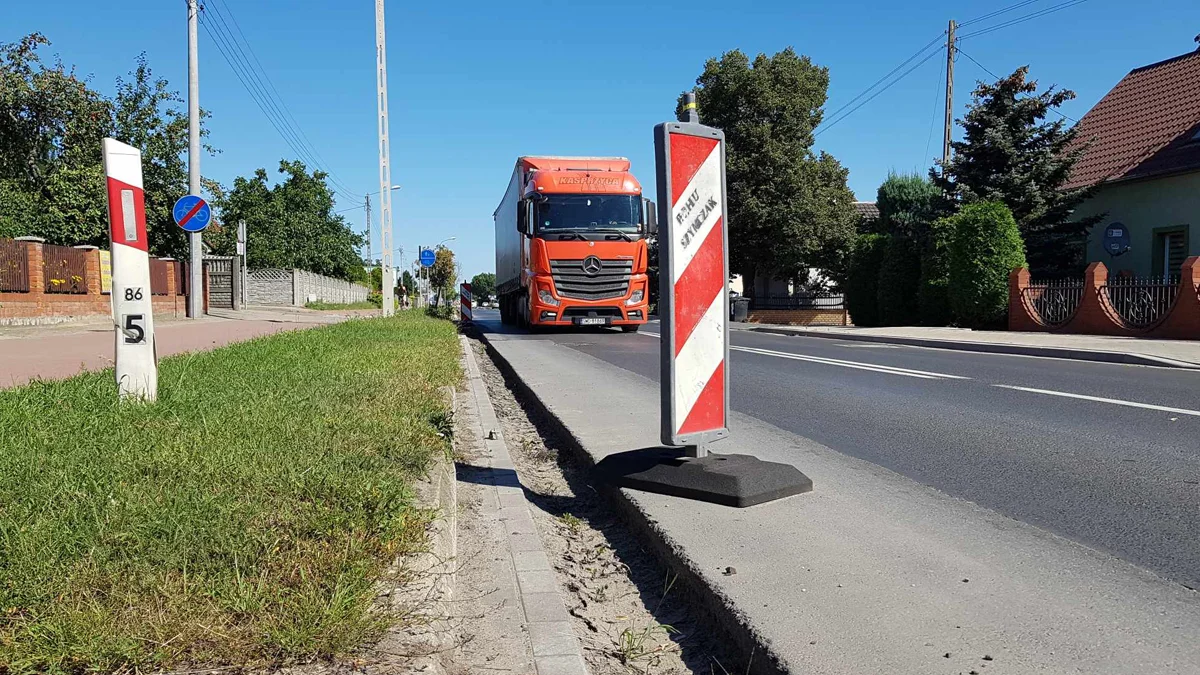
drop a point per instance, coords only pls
(729, 480)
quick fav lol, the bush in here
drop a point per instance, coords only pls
(899, 275)
(862, 279)
(933, 300)
(442, 311)
(984, 249)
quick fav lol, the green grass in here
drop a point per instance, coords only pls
(245, 518)
(365, 304)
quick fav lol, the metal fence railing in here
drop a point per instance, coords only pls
(1055, 301)
(14, 267)
(1139, 301)
(798, 301)
(66, 269)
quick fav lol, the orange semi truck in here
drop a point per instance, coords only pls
(571, 244)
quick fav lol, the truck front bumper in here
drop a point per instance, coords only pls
(574, 312)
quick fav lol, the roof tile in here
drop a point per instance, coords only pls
(1144, 126)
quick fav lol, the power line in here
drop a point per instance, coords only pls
(826, 127)
(893, 71)
(230, 51)
(992, 15)
(1023, 19)
(278, 96)
(275, 103)
(989, 72)
(937, 96)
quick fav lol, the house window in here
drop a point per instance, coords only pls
(1170, 250)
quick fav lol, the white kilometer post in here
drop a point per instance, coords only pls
(136, 361)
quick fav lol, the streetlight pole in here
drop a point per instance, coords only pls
(385, 164)
(195, 243)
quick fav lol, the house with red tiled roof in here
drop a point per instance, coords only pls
(1143, 153)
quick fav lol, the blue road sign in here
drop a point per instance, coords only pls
(192, 213)
(1116, 239)
(427, 257)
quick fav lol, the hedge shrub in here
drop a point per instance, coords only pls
(985, 247)
(899, 276)
(933, 299)
(862, 279)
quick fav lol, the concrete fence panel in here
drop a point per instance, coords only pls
(299, 287)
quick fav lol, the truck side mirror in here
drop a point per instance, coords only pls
(522, 215)
(650, 215)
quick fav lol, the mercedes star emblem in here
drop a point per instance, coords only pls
(592, 265)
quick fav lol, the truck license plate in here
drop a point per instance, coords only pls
(593, 321)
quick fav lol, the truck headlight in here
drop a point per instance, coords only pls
(546, 298)
(636, 297)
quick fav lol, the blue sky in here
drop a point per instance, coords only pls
(474, 84)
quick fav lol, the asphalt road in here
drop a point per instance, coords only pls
(1117, 470)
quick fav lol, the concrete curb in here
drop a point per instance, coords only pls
(555, 647)
(1127, 358)
(720, 613)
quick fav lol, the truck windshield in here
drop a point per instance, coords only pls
(581, 213)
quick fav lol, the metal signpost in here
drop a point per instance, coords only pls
(427, 258)
(694, 310)
(136, 360)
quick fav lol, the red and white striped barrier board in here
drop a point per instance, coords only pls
(693, 275)
(136, 362)
(465, 314)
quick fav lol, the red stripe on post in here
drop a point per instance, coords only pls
(687, 154)
(700, 283)
(116, 219)
(709, 411)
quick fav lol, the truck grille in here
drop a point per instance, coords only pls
(572, 280)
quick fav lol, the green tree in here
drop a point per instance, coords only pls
(861, 287)
(443, 273)
(789, 208)
(1009, 153)
(408, 282)
(290, 224)
(985, 247)
(483, 286)
(148, 114)
(51, 167)
(907, 207)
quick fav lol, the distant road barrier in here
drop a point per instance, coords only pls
(464, 296)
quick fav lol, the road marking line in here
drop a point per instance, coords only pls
(1098, 399)
(888, 370)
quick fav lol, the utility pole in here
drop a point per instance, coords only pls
(949, 127)
(370, 257)
(195, 243)
(385, 165)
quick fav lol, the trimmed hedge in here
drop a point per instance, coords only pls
(899, 276)
(862, 283)
(933, 289)
(984, 249)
